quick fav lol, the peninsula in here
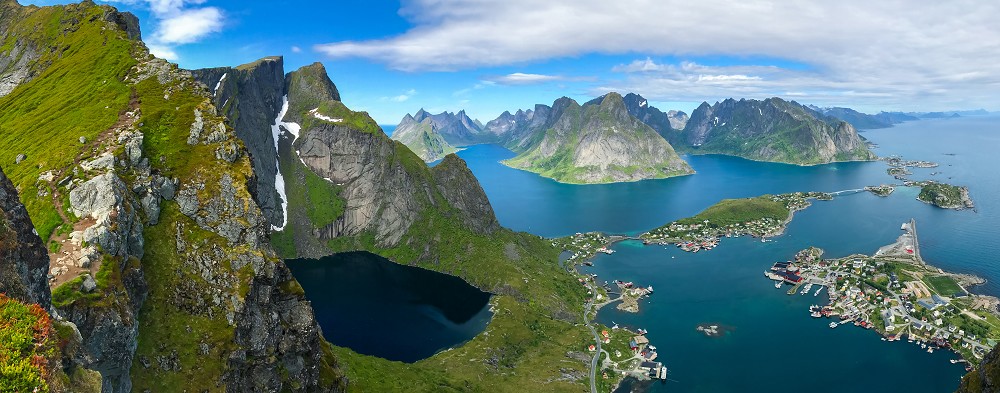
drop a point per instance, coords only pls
(897, 294)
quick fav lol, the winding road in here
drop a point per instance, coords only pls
(597, 356)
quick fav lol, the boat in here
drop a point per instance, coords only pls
(930, 350)
(817, 291)
(777, 284)
(833, 325)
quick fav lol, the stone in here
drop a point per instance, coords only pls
(20, 158)
(103, 162)
(196, 128)
(89, 284)
(83, 140)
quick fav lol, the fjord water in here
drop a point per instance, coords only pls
(376, 307)
(774, 345)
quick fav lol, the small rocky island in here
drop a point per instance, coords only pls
(945, 196)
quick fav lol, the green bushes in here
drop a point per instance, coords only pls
(28, 347)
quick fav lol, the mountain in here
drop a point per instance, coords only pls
(861, 121)
(514, 131)
(456, 128)
(349, 187)
(770, 130)
(24, 262)
(895, 117)
(249, 96)
(132, 177)
(598, 143)
(423, 138)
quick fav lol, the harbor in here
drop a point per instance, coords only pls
(897, 294)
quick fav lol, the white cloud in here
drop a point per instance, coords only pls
(402, 97)
(901, 47)
(163, 52)
(296, 49)
(520, 78)
(178, 22)
(187, 26)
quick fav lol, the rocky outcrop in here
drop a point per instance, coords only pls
(378, 192)
(24, 261)
(250, 96)
(770, 130)
(462, 191)
(384, 187)
(599, 143)
(184, 292)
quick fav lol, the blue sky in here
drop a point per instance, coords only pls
(390, 57)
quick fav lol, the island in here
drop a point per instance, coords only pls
(945, 196)
(763, 216)
(899, 295)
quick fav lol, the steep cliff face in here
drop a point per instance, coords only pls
(24, 262)
(771, 130)
(599, 143)
(462, 191)
(250, 97)
(423, 138)
(382, 189)
(144, 189)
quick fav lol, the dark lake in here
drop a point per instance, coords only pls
(380, 308)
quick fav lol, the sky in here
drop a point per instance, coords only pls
(391, 57)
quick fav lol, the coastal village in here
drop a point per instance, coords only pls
(893, 292)
(898, 295)
(760, 217)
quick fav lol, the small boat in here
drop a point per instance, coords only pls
(777, 284)
(930, 350)
(833, 325)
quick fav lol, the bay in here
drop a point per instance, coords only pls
(774, 344)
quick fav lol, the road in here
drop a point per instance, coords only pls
(597, 356)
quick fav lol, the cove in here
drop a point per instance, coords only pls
(376, 307)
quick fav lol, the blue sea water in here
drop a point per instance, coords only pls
(774, 345)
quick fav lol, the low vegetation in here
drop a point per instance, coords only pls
(29, 349)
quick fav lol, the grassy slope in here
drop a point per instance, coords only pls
(525, 345)
(427, 143)
(79, 95)
(733, 211)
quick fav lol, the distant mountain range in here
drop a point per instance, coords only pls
(599, 142)
(772, 130)
(607, 140)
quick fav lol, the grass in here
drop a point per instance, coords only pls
(78, 95)
(735, 211)
(520, 351)
(940, 194)
(944, 285)
(28, 347)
